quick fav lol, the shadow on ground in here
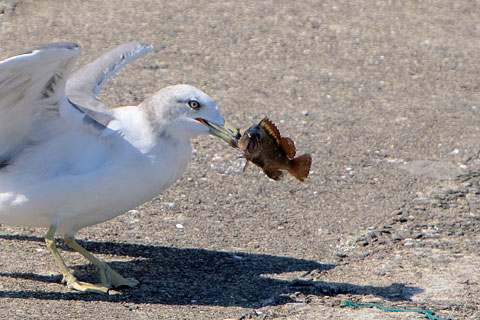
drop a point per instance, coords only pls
(196, 276)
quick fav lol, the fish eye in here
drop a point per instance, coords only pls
(194, 104)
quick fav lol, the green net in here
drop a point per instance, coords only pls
(428, 313)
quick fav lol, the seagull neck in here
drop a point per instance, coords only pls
(134, 128)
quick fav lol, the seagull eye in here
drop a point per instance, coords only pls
(194, 104)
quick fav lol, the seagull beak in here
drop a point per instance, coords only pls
(225, 132)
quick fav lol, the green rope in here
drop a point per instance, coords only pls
(428, 313)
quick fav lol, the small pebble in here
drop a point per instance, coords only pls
(305, 112)
(454, 152)
(179, 226)
(409, 244)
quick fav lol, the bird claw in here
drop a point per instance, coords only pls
(81, 286)
(112, 278)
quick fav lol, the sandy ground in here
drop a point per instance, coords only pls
(385, 95)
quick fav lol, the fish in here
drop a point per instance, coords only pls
(263, 145)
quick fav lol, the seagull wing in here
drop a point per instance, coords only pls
(84, 85)
(32, 88)
(34, 91)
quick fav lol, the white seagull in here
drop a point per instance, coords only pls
(68, 162)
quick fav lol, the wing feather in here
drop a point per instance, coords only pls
(38, 90)
(84, 85)
(32, 86)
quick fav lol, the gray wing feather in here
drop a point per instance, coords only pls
(84, 85)
(32, 87)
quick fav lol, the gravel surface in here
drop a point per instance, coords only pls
(385, 95)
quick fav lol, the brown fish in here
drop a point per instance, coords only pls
(263, 145)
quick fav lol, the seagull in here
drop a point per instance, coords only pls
(69, 162)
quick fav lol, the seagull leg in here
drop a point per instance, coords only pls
(108, 276)
(68, 277)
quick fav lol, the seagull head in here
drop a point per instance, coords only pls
(186, 111)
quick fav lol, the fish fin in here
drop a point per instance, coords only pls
(301, 167)
(274, 174)
(271, 129)
(288, 147)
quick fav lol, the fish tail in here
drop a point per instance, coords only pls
(301, 166)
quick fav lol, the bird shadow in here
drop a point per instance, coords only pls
(204, 277)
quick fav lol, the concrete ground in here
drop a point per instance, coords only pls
(385, 96)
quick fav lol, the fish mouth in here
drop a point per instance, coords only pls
(226, 132)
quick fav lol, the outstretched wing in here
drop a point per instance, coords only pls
(32, 87)
(84, 85)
